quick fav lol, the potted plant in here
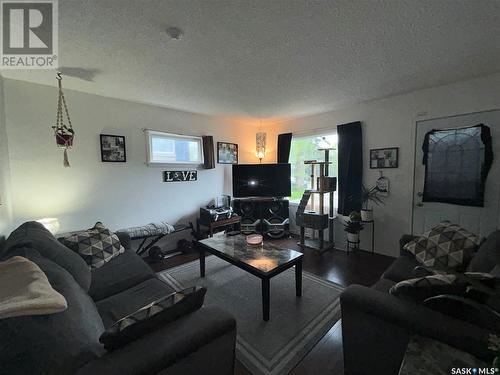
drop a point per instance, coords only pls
(353, 226)
(369, 195)
(64, 136)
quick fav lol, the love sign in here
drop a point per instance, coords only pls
(180, 176)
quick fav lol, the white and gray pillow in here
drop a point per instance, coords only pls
(97, 245)
(418, 289)
(446, 247)
(438, 283)
(150, 317)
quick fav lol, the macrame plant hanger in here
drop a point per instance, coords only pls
(64, 133)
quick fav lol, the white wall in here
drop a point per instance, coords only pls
(133, 194)
(119, 194)
(5, 201)
(391, 122)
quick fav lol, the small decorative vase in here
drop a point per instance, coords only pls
(366, 215)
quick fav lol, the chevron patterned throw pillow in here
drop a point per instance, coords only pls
(447, 246)
(97, 245)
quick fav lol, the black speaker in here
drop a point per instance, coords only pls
(265, 216)
(249, 211)
(275, 217)
(275, 208)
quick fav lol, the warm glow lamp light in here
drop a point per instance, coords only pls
(260, 145)
(51, 223)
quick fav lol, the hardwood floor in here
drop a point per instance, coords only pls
(343, 268)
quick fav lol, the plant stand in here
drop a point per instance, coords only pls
(372, 222)
(351, 245)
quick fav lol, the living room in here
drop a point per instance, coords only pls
(154, 114)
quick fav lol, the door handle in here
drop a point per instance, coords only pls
(420, 194)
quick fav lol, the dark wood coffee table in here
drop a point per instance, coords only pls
(264, 261)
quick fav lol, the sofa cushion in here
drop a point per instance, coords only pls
(58, 343)
(97, 245)
(120, 273)
(446, 246)
(383, 285)
(467, 310)
(401, 269)
(34, 235)
(201, 343)
(152, 316)
(122, 304)
(488, 255)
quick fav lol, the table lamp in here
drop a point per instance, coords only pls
(50, 223)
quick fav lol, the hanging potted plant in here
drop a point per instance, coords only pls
(353, 226)
(64, 136)
(63, 133)
(369, 195)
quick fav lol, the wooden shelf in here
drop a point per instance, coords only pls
(321, 191)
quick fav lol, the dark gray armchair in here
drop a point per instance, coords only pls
(376, 326)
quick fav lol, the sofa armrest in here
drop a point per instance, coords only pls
(125, 240)
(465, 309)
(204, 339)
(405, 238)
(380, 326)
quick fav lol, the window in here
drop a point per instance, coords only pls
(306, 148)
(166, 148)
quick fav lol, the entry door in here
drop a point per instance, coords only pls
(479, 220)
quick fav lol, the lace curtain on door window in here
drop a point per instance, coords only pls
(457, 162)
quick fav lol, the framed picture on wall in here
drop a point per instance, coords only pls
(113, 148)
(384, 158)
(227, 153)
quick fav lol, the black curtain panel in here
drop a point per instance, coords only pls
(284, 144)
(457, 162)
(350, 167)
(208, 152)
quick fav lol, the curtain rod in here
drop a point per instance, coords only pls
(333, 128)
(171, 132)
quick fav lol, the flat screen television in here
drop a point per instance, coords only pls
(261, 180)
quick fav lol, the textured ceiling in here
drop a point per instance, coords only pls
(270, 58)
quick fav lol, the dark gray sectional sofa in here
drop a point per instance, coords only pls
(202, 342)
(376, 326)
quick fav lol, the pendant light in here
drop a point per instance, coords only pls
(260, 144)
